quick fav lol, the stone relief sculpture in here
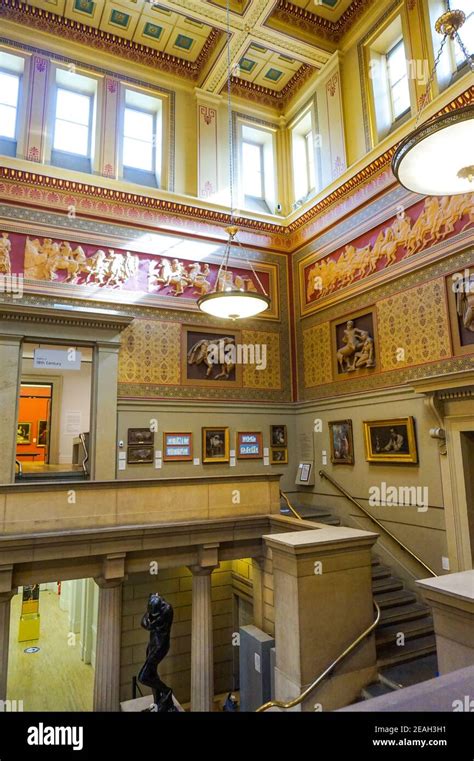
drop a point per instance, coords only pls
(436, 221)
(205, 350)
(465, 301)
(157, 620)
(5, 249)
(44, 260)
(357, 350)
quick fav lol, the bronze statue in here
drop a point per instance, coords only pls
(157, 620)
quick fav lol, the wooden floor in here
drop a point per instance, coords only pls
(55, 678)
(42, 467)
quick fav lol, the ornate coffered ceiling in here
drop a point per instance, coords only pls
(275, 45)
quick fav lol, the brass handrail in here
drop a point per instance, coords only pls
(86, 454)
(290, 506)
(343, 491)
(296, 701)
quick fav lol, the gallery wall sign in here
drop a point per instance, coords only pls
(372, 256)
(79, 270)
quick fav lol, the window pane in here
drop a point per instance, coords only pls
(252, 169)
(9, 85)
(138, 124)
(73, 138)
(466, 32)
(7, 121)
(73, 107)
(400, 97)
(310, 161)
(397, 67)
(137, 154)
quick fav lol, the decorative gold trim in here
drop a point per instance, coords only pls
(226, 455)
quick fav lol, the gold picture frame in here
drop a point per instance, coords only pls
(215, 444)
(278, 456)
(23, 433)
(391, 441)
(341, 442)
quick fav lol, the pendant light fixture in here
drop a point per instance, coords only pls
(227, 300)
(437, 158)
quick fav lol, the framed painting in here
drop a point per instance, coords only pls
(42, 433)
(278, 456)
(177, 446)
(249, 445)
(23, 433)
(278, 436)
(215, 444)
(139, 454)
(140, 436)
(341, 441)
(391, 440)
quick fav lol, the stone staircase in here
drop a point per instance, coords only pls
(399, 665)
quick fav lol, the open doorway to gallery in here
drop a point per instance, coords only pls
(54, 411)
(52, 650)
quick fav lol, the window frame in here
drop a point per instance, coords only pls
(310, 161)
(260, 146)
(19, 76)
(154, 115)
(91, 98)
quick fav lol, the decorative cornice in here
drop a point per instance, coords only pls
(12, 312)
(157, 204)
(37, 18)
(331, 30)
(267, 96)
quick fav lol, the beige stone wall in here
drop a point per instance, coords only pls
(175, 585)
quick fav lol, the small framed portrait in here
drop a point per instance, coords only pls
(139, 454)
(23, 433)
(249, 445)
(278, 456)
(342, 443)
(278, 436)
(215, 445)
(140, 436)
(390, 440)
(42, 433)
(178, 446)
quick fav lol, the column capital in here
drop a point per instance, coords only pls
(208, 557)
(198, 570)
(113, 570)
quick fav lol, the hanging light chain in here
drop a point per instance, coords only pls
(229, 117)
(425, 98)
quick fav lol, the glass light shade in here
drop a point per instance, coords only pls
(437, 159)
(233, 305)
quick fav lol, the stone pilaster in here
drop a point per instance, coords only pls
(6, 594)
(202, 663)
(109, 628)
(10, 370)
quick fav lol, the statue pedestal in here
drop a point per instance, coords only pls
(141, 704)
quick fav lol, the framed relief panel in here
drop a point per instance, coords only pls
(460, 289)
(208, 357)
(178, 446)
(354, 345)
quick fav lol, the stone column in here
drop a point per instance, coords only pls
(451, 598)
(257, 578)
(104, 430)
(202, 651)
(6, 594)
(323, 602)
(10, 371)
(109, 629)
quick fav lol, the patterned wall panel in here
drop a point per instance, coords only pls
(150, 353)
(413, 326)
(317, 355)
(268, 377)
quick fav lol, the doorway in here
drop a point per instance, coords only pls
(54, 670)
(54, 412)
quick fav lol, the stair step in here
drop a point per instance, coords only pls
(380, 571)
(394, 599)
(411, 672)
(413, 648)
(400, 613)
(375, 690)
(387, 584)
(387, 635)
